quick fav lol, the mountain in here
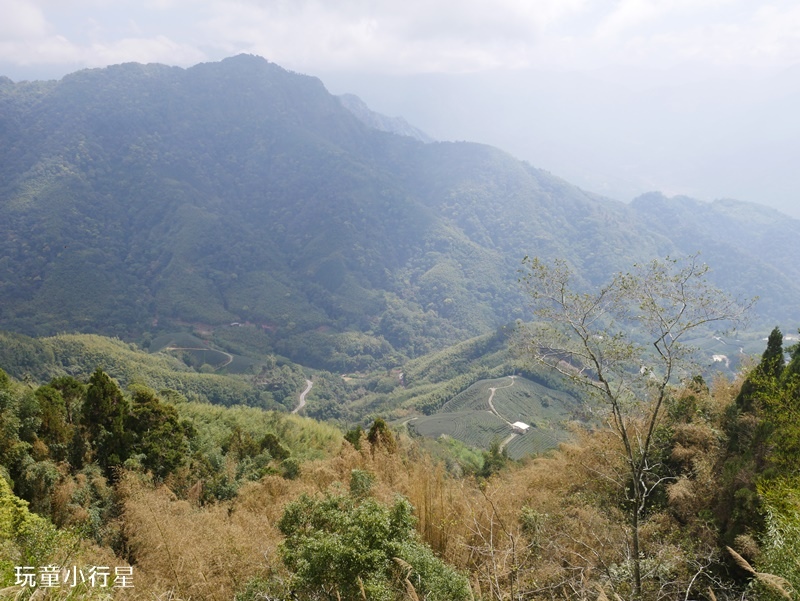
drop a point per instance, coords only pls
(753, 249)
(395, 125)
(139, 199)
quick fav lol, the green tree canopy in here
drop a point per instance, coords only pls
(339, 547)
(104, 413)
(155, 432)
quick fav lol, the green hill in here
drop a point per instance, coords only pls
(78, 355)
(484, 413)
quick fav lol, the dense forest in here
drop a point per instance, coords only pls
(241, 193)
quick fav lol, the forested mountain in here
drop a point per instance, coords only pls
(754, 249)
(395, 125)
(138, 198)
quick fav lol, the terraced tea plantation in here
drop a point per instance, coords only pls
(197, 353)
(485, 412)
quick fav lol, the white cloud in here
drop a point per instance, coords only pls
(388, 36)
(89, 33)
(404, 37)
(158, 49)
(47, 50)
(26, 38)
(21, 20)
(711, 32)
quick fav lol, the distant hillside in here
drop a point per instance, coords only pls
(485, 413)
(142, 199)
(394, 125)
(78, 355)
(753, 249)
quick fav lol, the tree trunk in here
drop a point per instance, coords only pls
(637, 572)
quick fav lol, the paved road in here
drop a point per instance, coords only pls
(303, 394)
(508, 439)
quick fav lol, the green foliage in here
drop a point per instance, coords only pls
(49, 442)
(780, 541)
(11, 447)
(494, 460)
(361, 483)
(763, 428)
(25, 538)
(302, 437)
(290, 468)
(354, 437)
(458, 458)
(273, 446)
(104, 413)
(156, 433)
(72, 392)
(5, 381)
(55, 429)
(337, 545)
(34, 480)
(79, 355)
(766, 374)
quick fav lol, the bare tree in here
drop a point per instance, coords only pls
(626, 344)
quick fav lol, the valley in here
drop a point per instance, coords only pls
(249, 328)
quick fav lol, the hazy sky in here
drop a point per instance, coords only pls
(686, 96)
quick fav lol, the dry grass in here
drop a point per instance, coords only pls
(771, 581)
(190, 552)
(575, 543)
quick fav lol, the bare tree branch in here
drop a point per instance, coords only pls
(624, 345)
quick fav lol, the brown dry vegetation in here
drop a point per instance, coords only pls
(210, 552)
(552, 528)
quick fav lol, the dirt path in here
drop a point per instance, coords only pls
(192, 348)
(508, 439)
(491, 398)
(492, 390)
(303, 394)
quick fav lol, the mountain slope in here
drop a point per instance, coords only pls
(142, 198)
(753, 249)
(395, 125)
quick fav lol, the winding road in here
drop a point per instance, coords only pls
(491, 398)
(194, 348)
(492, 390)
(303, 394)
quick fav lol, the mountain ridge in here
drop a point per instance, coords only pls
(239, 191)
(395, 125)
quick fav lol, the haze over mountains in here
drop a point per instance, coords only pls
(138, 198)
(712, 132)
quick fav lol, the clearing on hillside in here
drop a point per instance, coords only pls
(484, 412)
(196, 353)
